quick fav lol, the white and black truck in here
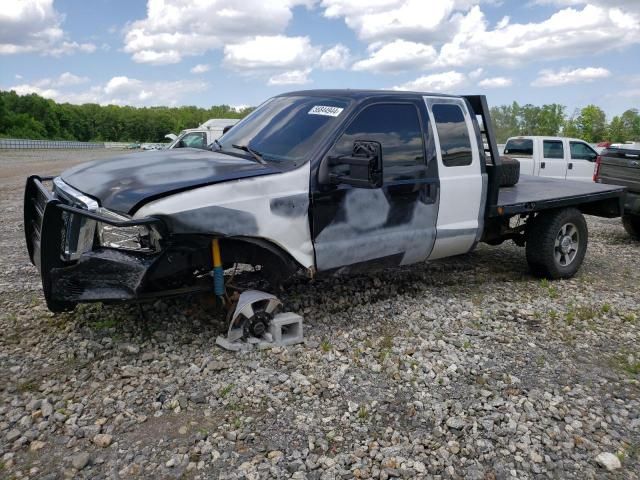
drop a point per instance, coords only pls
(319, 181)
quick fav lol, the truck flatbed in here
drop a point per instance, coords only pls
(539, 193)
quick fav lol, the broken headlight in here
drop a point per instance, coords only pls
(140, 238)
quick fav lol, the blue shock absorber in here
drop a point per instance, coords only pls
(218, 281)
(218, 272)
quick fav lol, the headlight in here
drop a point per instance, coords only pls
(139, 238)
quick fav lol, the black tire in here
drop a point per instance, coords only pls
(555, 250)
(631, 224)
(510, 172)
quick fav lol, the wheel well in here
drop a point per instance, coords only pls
(278, 265)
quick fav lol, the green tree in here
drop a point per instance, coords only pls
(592, 124)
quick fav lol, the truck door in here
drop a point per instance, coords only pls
(462, 182)
(387, 226)
(553, 163)
(582, 162)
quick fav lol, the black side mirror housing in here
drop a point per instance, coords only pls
(362, 169)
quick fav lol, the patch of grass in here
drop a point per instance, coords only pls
(224, 391)
(606, 308)
(540, 360)
(104, 324)
(466, 345)
(28, 386)
(585, 313)
(570, 317)
(553, 315)
(386, 342)
(627, 363)
(325, 345)
(629, 317)
(363, 413)
(551, 289)
(237, 423)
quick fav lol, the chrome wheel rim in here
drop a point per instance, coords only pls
(566, 245)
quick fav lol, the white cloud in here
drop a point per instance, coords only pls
(119, 90)
(336, 58)
(34, 26)
(397, 56)
(549, 78)
(293, 77)
(437, 82)
(495, 82)
(271, 52)
(201, 68)
(174, 29)
(567, 33)
(462, 36)
(476, 73)
(626, 5)
(385, 19)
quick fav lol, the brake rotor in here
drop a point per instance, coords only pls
(252, 315)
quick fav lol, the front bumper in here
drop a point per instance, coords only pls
(99, 274)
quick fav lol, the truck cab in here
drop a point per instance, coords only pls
(553, 157)
(203, 136)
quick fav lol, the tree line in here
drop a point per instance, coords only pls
(32, 116)
(589, 123)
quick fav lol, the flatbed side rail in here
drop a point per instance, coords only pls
(608, 204)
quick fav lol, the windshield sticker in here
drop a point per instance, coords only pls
(326, 110)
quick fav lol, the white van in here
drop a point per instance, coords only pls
(554, 157)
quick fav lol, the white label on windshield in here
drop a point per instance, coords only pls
(326, 110)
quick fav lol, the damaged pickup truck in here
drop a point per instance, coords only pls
(319, 181)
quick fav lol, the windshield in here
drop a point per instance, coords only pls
(284, 128)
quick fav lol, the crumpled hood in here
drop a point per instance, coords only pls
(126, 182)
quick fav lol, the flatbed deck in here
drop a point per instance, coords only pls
(532, 194)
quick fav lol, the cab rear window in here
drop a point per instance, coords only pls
(519, 146)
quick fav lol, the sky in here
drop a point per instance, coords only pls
(239, 53)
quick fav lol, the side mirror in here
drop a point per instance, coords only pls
(363, 168)
(226, 129)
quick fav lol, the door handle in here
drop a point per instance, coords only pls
(542, 165)
(571, 166)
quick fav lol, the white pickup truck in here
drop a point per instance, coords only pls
(318, 182)
(553, 157)
(203, 136)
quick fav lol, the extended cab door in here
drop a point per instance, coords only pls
(553, 161)
(582, 162)
(462, 182)
(390, 225)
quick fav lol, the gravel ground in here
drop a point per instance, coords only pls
(465, 368)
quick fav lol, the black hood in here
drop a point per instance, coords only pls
(124, 183)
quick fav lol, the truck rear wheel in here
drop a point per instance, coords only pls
(631, 224)
(557, 243)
